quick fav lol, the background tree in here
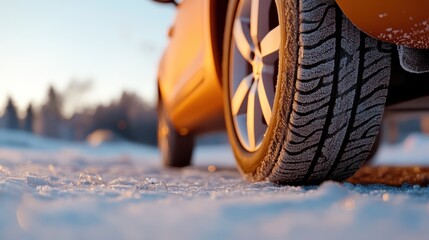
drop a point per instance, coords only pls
(11, 117)
(28, 122)
(50, 115)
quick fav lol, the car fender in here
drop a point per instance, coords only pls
(395, 21)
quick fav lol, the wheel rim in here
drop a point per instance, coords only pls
(253, 69)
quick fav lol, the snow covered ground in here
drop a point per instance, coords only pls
(51, 189)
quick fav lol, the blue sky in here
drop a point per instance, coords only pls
(115, 43)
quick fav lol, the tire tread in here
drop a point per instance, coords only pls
(332, 124)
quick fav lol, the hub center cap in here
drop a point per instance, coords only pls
(257, 67)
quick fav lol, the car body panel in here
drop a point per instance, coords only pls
(189, 72)
(395, 21)
(190, 88)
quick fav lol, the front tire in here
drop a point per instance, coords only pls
(304, 94)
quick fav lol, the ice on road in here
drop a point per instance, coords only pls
(51, 189)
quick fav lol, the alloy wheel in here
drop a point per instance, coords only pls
(253, 69)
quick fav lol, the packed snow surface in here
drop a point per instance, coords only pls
(51, 189)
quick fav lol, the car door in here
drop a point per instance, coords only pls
(183, 59)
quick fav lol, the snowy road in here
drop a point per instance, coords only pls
(57, 190)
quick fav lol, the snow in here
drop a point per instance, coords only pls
(414, 150)
(52, 189)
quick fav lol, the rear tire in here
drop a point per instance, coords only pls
(176, 149)
(330, 89)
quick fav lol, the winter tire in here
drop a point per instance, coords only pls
(304, 90)
(176, 149)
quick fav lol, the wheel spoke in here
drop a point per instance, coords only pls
(240, 94)
(253, 66)
(251, 115)
(259, 20)
(266, 95)
(270, 45)
(241, 33)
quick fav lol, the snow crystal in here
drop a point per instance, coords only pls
(35, 181)
(152, 184)
(89, 180)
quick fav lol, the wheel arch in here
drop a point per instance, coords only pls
(394, 21)
(218, 9)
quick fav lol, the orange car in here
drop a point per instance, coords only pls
(300, 85)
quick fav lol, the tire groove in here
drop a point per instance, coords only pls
(315, 89)
(315, 119)
(371, 107)
(354, 109)
(315, 78)
(355, 162)
(372, 75)
(341, 128)
(339, 24)
(313, 8)
(306, 138)
(370, 64)
(313, 65)
(362, 138)
(353, 156)
(297, 134)
(368, 130)
(370, 118)
(304, 104)
(307, 113)
(321, 21)
(355, 148)
(372, 93)
(293, 153)
(320, 43)
(383, 50)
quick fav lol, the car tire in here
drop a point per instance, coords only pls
(176, 149)
(313, 113)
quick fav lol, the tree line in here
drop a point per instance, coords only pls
(128, 117)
